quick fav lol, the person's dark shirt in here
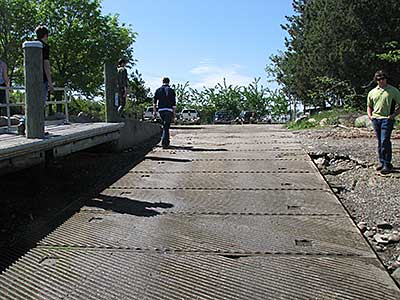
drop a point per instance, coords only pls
(122, 78)
(166, 98)
(46, 56)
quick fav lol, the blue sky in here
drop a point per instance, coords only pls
(203, 41)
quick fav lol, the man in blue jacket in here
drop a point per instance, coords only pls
(165, 100)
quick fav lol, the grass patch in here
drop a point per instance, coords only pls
(344, 116)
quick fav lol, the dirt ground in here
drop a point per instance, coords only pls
(347, 158)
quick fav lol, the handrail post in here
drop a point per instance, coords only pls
(34, 98)
(66, 99)
(110, 78)
(7, 91)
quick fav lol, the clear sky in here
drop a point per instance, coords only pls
(203, 41)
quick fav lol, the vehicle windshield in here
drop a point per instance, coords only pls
(189, 111)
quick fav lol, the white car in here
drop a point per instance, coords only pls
(148, 114)
(189, 116)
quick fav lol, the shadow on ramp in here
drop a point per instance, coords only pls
(155, 158)
(127, 206)
(194, 149)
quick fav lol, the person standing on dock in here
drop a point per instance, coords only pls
(42, 34)
(383, 107)
(4, 82)
(122, 81)
(165, 100)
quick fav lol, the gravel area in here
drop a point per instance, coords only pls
(347, 158)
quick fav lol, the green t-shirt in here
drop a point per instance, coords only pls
(383, 101)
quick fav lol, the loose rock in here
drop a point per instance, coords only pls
(320, 162)
(381, 239)
(383, 225)
(369, 234)
(394, 237)
(363, 121)
(324, 122)
(362, 226)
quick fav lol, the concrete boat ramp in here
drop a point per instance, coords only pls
(229, 212)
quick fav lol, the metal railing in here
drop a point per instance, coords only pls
(8, 104)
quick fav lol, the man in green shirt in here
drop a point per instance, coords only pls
(383, 107)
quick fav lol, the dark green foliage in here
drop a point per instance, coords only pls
(89, 107)
(334, 47)
(231, 99)
(137, 89)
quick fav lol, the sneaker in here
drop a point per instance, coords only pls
(379, 168)
(386, 171)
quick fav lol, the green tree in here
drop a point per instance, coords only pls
(138, 90)
(183, 95)
(392, 53)
(255, 95)
(279, 106)
(332, 42)
(82, 40)
(17, 23)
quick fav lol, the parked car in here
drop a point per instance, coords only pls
(189, 116)
(148, 114)
(246, 117)
(221, 117)
(266, 119)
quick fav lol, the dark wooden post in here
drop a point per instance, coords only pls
(34, 98)
(110, 77)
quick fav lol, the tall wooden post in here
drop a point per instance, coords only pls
(110, 77)
(34, 98)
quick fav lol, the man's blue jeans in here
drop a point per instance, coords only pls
(383, 130)
(166, 117)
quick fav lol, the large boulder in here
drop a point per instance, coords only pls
(15, 120)
(3, 121)
(324, 122)
(312, 121)
(363, 122)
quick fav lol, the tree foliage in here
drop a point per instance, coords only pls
(334, 47)
(81, 39)
(231, 99)
(17, 23)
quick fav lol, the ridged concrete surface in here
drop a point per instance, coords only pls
(213, 201)
(231, 212)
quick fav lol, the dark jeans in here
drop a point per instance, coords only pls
(166, 117)
(383, 130)
(121, 100)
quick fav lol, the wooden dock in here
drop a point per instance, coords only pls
(18, 152)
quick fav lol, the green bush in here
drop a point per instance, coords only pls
(333, 117)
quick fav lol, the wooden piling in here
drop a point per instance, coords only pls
(34, 98)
